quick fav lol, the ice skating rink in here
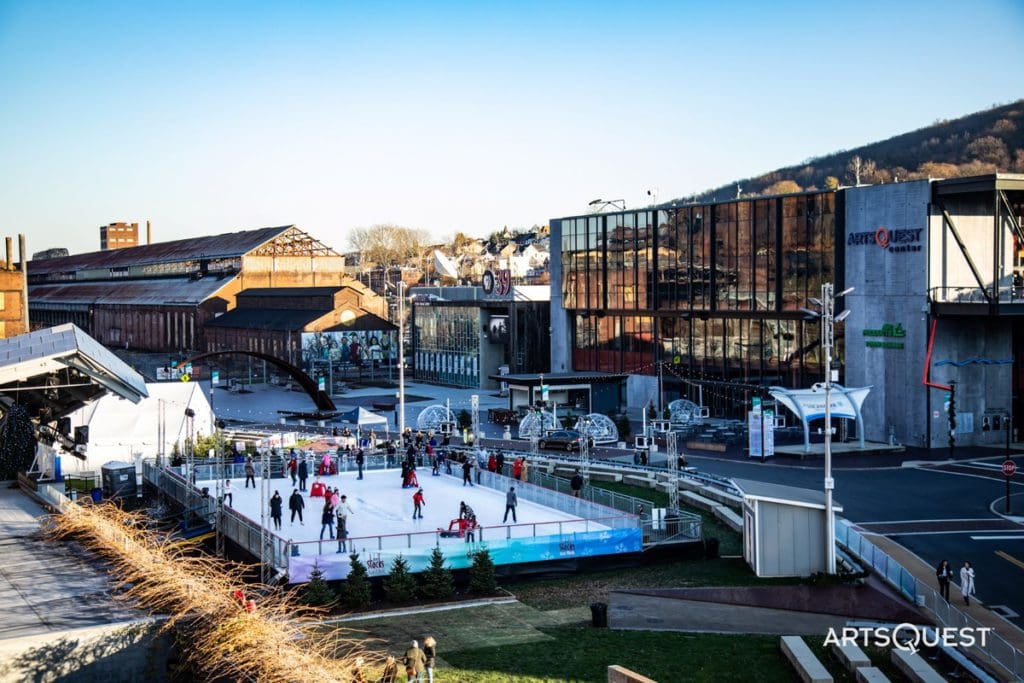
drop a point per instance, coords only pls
(381, 507)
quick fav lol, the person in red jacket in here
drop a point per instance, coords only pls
(492, 463)
(418, 503)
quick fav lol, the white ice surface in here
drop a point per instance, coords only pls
(380, 506)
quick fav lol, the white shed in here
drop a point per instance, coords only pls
(783, 528)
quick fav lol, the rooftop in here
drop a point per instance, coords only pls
(156, 291)
(227, 245)
(759, 490)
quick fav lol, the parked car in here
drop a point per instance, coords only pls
(565, 439)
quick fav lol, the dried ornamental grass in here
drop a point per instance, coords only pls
(280, 641)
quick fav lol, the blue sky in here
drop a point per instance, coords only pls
(212, 117)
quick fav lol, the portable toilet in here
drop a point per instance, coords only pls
(119, 479)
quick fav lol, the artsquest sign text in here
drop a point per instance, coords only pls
(893, 241)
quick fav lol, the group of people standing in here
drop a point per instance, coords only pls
(944, 573)
(417, 662)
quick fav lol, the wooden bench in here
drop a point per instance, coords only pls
(870, 674)
(807, 666)
(914, 667)
(851, 656)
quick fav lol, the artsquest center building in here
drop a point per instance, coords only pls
(703, 301)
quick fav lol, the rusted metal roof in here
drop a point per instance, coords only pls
(152, 292)
(227, 245)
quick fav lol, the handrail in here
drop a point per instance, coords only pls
(996, 648)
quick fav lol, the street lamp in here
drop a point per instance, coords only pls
(828, 317)
(400, 288)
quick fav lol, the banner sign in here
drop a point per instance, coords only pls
(459, 555)
(761, 431)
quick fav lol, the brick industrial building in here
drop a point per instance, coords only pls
(121, 235)
(160, 297)
(13, 317)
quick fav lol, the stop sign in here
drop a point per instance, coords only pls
(1009, 468)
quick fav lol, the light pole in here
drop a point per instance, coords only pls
(828, 319)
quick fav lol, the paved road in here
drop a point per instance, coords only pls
(936, 511)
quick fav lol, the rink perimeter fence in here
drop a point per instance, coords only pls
(611, 522)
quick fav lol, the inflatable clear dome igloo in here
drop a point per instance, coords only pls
(683, 412)
(598, 427)
(431, 417)
(536, 422)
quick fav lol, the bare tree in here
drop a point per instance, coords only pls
(387, 244)
(853, 168)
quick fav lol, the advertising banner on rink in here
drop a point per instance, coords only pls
(458, 554)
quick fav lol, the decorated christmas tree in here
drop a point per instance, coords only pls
(17, 442)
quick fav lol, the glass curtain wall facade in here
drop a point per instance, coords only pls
(707, 295)
(448, 345)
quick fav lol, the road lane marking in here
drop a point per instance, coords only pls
(1010, 558)
(1018, 537)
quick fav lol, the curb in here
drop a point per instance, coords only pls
(406, 611)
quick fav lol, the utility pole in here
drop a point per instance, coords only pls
(401, 358)
(671, 452)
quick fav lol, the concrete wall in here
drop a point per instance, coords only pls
(982, 390)
(561, 345)
(127, 652)
(891, 289)
(640, 391)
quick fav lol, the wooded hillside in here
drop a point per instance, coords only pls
(984, 142)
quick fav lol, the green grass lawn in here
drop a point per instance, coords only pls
(519, 643)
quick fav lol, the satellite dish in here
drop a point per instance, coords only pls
(444, 265)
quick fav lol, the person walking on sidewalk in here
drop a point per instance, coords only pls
(967, 582)
(510, 504)
(295, 504)
(944, 573)
(418, 502)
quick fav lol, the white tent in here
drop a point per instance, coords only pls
(121, 430)
(363, 418)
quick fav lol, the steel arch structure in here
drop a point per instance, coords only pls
(320, 398)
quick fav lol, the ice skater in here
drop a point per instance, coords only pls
(510, 505)
(303, 474)
(293, 469)
(467, 469)
(418, 502)
(360, 459)
(275, 509)
(343, 511)
(295, 504)
(465, 512)
(229, 497)
(250, 472)
(327, 520)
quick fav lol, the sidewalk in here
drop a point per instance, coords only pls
(925, 573)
